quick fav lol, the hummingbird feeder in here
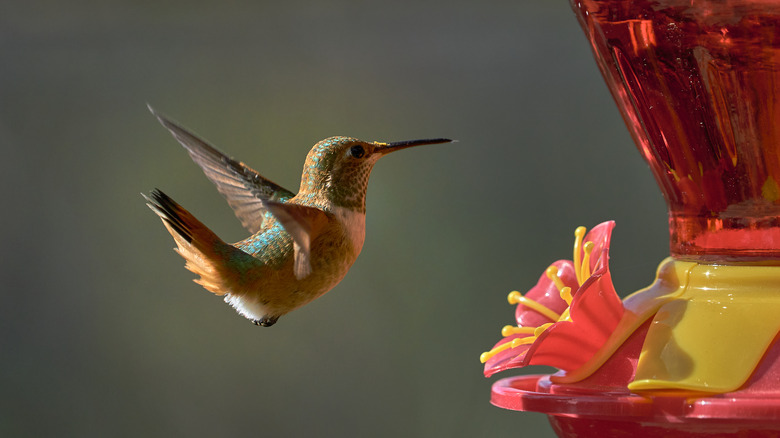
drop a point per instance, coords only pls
(696, 353)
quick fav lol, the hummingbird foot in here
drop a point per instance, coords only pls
(266, 321)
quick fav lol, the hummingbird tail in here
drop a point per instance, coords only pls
(195, 242)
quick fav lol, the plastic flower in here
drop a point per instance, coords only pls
(568, 315)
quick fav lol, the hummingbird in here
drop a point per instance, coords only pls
(302, 245)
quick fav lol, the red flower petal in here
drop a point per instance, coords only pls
(509, 358)
(600, 235)
(546, 293)
(595, 311)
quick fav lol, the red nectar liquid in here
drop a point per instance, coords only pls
(699, 89)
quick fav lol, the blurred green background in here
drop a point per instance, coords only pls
(103, 333)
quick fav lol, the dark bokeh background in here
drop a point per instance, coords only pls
(102, 332)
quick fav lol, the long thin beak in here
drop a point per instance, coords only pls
(386, 148)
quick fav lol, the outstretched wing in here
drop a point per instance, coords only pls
(242, 186)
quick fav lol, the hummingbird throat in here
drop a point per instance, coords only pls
(329, 182)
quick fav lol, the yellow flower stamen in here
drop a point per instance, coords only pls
(539, 330)
(552, 274)
(566, 295)
(585, 268)
(484, 357)
(516, 297)
(579, 234)
(510, 330)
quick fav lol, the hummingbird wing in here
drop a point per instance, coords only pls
(244, 188)
(303, 223)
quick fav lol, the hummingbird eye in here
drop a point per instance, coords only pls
(357, 151)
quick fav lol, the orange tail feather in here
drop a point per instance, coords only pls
(195, 242)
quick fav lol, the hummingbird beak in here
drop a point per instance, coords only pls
(386, 148)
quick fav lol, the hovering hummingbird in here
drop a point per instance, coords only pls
(302, 244)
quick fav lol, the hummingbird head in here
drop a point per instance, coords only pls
(337, 169)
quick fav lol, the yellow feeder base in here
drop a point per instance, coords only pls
(712, 335)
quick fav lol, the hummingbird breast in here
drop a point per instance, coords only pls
(335, 249)
(354, 222)
(270, 288)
